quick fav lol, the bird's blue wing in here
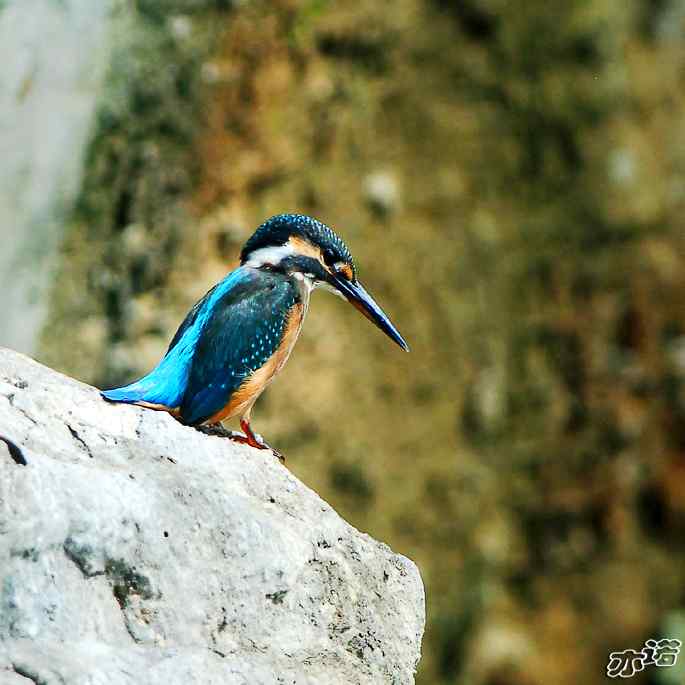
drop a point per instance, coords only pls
(242, 332)
(166, 384)
(194, 316)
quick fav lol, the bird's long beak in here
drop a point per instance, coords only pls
(356, 294)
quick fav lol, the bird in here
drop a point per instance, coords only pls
(237, 338)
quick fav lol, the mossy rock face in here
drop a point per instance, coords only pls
(48, 93)
(502, 176)
(126, 231)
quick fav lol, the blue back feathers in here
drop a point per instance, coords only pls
(226, 336)
(244, 331)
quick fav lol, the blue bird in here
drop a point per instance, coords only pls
(237, 338)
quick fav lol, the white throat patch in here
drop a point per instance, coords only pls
(306, 283)
(327, 286)
(269, 255)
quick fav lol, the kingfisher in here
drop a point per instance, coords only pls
(237, 338)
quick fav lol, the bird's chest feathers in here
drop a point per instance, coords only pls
(292, 330)
(248, 392)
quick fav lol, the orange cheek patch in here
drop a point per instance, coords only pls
(346, 271)
(304, 247)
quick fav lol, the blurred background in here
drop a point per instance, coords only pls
(510, 177)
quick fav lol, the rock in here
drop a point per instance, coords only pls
(134, 549)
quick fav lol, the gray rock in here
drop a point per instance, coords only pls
(136, 550)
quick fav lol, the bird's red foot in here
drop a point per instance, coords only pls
(256, 440)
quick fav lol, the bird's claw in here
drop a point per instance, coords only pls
(279, 455)
(217, 430)
(261, 444)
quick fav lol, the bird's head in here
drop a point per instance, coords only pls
(313, 253)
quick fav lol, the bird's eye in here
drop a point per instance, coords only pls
(328, 257)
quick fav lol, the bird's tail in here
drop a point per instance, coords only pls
(163, 387)
(134, 392)
(155, 388)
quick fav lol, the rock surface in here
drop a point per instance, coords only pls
(134, 549)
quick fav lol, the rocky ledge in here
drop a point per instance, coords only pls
(136, 550)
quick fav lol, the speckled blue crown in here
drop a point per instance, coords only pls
(278, 229)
